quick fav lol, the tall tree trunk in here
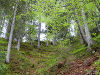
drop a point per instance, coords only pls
(18, 45)
(81, 31)
(21, 29)
(54, 40)
(70, 43)
(20, 33)
(39, 28)
(47, 43)
(87, 32)
(81, 39)
(47, 36)
(19, 40)
(11, 34)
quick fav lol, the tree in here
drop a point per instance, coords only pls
(87, 32)
(39, 31)
(47, 36)
(11, 34)
(20, 33)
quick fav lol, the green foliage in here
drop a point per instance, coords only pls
(19, 65)
(3, 66)
(97, 42)
(90, 6)
(97, 63)
(3, 42)
(81, 53)
(79, 50)
(49, 59)
(58, 16)
(97, 38)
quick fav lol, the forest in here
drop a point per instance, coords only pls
(49, 37)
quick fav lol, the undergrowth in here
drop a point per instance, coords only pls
(45, 57)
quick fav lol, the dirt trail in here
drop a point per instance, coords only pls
(81, 67)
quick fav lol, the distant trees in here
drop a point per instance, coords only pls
(57, 14)
(20, 34)
(39, 31)
(47, 37)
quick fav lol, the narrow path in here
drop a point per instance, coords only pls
(81, 67)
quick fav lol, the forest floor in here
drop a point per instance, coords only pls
(81, 67)
(46, 61)
(77, 67)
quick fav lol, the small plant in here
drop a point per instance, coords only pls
(97, 63)
(3, 66)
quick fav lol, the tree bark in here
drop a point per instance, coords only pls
(21, 30)
(47, 37)
(87, 32)
(81, 38)
(81, 31)
(39, 28)
(54, 40)
(70, 43)
(18, 45)
(11, 34)
(47, 43)
(20, 34)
